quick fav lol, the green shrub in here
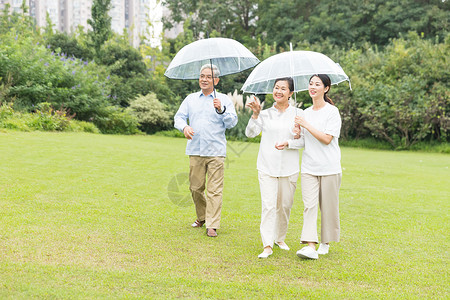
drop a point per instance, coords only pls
(400, 95)
(115, 120)
(82, 126)
(170, 133)
(45, 118)
(38, 74)
(151, 114)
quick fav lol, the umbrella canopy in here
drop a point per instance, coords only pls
(299, 65)
(228, 55)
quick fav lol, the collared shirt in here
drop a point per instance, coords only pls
(209, 126)
(276, 127)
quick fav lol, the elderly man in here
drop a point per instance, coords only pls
(209, 115)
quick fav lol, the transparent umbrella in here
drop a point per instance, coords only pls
(299, 65)
(228, 55)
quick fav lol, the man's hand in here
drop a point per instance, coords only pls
(217, 104)
(188, 132)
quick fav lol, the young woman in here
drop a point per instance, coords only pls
(321, 171)
(277, 170)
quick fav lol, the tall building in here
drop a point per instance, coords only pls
(140, 18)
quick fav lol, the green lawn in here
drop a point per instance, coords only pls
(89, 216)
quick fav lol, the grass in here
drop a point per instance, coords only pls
(89, 216)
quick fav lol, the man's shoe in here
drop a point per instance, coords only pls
(282, 245)
(307, 252)
(265, 254)
(211, 232)
(323, 249)
(198, 224)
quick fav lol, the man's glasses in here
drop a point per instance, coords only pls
(209, 77)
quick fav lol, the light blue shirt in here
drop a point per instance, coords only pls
(209, 126)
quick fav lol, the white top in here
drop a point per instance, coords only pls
(275, 127)
(319, 159)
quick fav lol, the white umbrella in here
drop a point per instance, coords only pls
(228, 55)
(299, 65)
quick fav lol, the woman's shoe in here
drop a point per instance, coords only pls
(282, 245)
(307, 252)
(323, 249)
(265, 254)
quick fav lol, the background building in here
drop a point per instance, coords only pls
(140, 18)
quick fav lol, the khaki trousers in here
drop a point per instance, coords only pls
(277, 197)
(207, 208)
(323, 192)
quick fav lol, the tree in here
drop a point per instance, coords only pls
(100, 23)
(228, 18)
(69, 45)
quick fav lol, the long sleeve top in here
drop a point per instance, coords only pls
(209, 127)
(276, 127)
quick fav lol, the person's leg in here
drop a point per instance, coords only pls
(197, 178)
(215, 169)
(268, 187)
(329, 207)
(286, 190)
(310, 194)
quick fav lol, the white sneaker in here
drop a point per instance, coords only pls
(307, 252)
(323, 249)
(265, 254)
(283, 246)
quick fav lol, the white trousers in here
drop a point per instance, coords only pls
(277, 197)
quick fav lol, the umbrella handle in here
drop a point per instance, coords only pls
(221, 113)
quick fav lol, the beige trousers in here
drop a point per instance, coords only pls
(323, 192)
(277, 197)
(208, 208)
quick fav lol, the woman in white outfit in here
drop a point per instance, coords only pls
(321, 171)
(277, 170)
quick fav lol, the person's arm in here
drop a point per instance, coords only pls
(254, 126)
(319, 135)
(292, 143)
(180, 120)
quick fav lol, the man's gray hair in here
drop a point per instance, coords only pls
(215, 69)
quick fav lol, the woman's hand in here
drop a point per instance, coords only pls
(319, 135)
(255, 106)
(296, 131)
(281, 146)
(300, 121)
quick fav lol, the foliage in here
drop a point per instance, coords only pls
(116, 120)
(100, 24)
(151, 114)
(44, 119)
(123, 59)
(231, 18)
(68, 44)
(344, 23)
(80, 86)
(400, 95)
(127, 64)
